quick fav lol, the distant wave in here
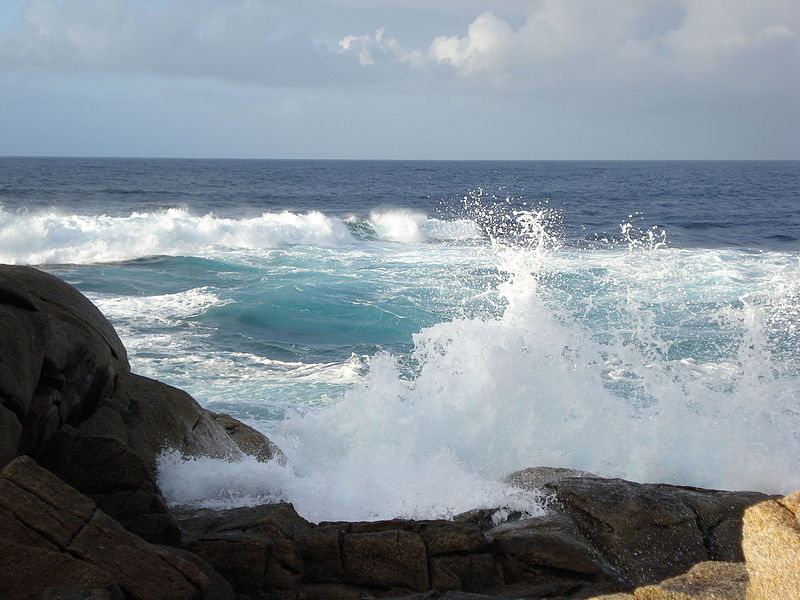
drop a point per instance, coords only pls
(52, 237)
(411, 226)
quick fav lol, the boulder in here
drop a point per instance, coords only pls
(533, 478)
(251, 547)
(68, 398)
(650, 532)
(269, 549)
(31, 572)
(62, 536)
(59, 360)
(771, 543)
(549, 548)
(249, 441)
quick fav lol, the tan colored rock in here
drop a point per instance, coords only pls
(771, 544)
(709, 580)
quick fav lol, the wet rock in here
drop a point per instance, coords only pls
(771, 543)
(533, 478)
(248, 440)
(533, 548)
(650, 532)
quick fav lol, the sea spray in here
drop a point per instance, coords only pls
(658, 369)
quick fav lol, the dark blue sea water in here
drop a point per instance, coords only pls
(411, 332)
(750, 204)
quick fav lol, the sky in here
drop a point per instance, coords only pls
(401, 79)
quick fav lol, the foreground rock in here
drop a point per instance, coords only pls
(771, 543)
(601, 536)
(55, 538)
(68, 398)
(704, 581)
(649, 532)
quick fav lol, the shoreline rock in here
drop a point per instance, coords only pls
(68, 399)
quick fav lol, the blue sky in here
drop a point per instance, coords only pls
(454, 79)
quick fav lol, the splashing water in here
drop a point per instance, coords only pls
(652, 364)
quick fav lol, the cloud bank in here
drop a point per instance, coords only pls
(575, 43)
(385, 78)
(750, 46)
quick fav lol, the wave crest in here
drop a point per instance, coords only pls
(55, 238)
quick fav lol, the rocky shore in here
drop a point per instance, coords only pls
(81, 514)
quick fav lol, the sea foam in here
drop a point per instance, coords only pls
(56, 238)
(670, 366)
(52, 237)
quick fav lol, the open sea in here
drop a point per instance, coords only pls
(412, 332)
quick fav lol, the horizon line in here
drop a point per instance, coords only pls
(351, 159)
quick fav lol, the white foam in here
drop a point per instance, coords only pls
(536, 385)
(56, 238)
(414, 227)
(370, 489)
(163, 309)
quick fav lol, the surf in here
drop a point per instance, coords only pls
(643, 362)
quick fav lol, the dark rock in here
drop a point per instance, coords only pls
(248, 440)
(60, 359)
(67, 398)
(320, 550)
(650, 532)
(468, 572)
(549, 542)
(534, 478)
(161, 417)
(433, 595)
(444, 537)
(46, 520)
(330, 591)
(251, 547)
(31, 572)
(482, 518)
(393, 559)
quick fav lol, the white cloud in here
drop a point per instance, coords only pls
(369, 47)
(577, 44)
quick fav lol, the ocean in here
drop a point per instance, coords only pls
(412, 332)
